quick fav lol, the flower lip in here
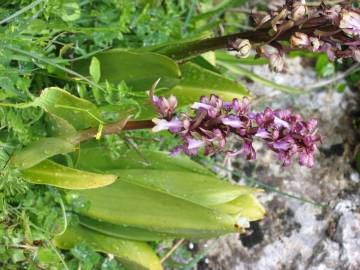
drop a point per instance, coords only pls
(232, 121)
(195, 144)
(281, 123)
(262, 133)
(173, 125)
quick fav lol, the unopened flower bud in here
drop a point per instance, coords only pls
(315, 43)
(299, 11)
(356, 54)
(333, 13)
(300, 40)
(242, 47)
(276, 60)
(277, 63)
(350, 22)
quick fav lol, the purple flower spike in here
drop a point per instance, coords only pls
(286, 134)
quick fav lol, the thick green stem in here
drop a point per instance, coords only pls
(259, 36)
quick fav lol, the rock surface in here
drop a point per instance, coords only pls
(296, 234)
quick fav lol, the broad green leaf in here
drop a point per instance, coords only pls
(197, 82)
(80, 113)
(238, 70)
(50, 173)
(93, 155)
(167, 199)
(245, 205)
(40, 150)
(133, 254)
(125, 232)
(134, 233)
(129, 204)
(204, 63)
(59, 127)
(94, 69)
(201, 189)
(138, 69)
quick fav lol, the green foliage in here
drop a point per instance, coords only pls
(53, 174)
(199, 81)
(137, 70)
(133, 254)
(56, 83)
(168, 195)
(323, 67)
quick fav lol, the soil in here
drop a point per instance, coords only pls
(296, 234)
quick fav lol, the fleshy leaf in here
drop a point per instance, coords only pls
(50, 173)
(94, 155)
(159, 194)
(134, 233)
(133, 254)
(125, 232)
(129, 204)
(40, 150)
(245, 205)
(197, 81)
(200, 189)
(179, 176)
(59, 127)
(80, 113)
(138, 69)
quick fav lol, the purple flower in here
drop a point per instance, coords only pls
(306, 159)
(241, 108)
(174, 125)
(194, 144)
(248, 150)
(232, 121)
(262, 133)
(212, 106)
